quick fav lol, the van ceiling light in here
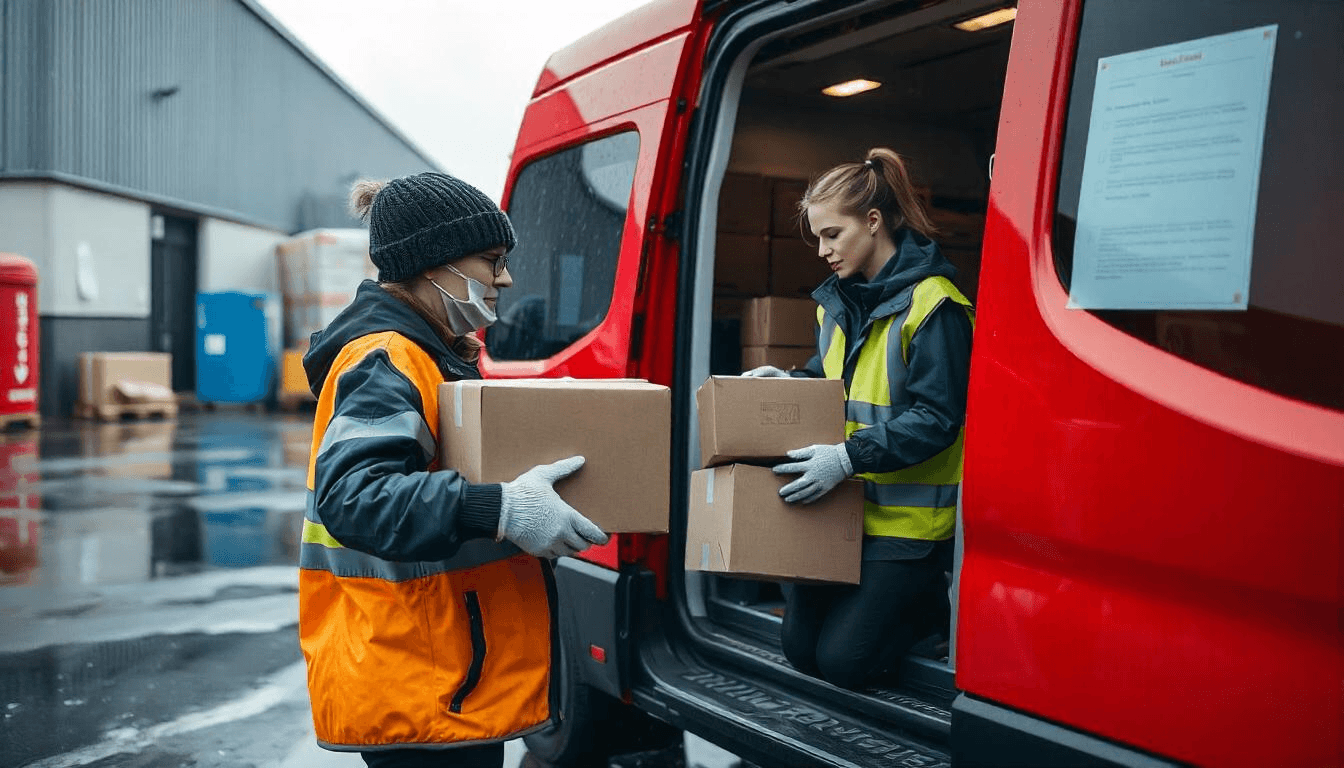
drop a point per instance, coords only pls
(988, 20)
(850, 87)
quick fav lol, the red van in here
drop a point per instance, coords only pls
(1141, 197)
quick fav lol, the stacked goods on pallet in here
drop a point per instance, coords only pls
(320, 270)
(116, 384)
(737, 522)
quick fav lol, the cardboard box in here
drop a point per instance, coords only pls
(742, 265)
(784, 197)
(738, 524)
(744, 204)
(760, 420)
(493, 431)
(100, 372)
(778, 321)
(795, 268)
(787, 358)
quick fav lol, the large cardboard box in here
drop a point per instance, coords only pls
(786, 358)
(738, 524)
(744, 204)
(761, 419)
(493, 431)
(741, 265)
(795, 268)
(778, 321)
(101, 372)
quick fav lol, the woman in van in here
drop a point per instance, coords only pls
(425, 608)
(898, 333)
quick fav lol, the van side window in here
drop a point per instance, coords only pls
(568, 211)
(1288, 339)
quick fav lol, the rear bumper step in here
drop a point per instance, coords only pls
(766, 723)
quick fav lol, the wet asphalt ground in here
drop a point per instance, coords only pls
(148, 596)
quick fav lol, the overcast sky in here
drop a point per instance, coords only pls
(453, 76)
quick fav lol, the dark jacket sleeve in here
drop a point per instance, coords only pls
(373, 491)
(936, 379)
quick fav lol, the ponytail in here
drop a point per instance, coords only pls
(881, 181)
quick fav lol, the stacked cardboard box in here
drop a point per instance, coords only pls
(737, 522)
(320, 270)
(959, 236)
(493, 431)
(113, 383)
(778, 331)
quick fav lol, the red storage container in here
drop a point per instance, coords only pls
(18, 339)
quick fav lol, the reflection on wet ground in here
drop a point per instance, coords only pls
(147, 569)
(92, 503)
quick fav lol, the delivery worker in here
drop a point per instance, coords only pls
(425, 601)
(896, 331)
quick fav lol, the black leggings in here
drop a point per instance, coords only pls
(847, 634)
(486, 756)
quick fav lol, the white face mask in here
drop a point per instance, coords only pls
(470, 315)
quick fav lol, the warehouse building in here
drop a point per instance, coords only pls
(150, 149)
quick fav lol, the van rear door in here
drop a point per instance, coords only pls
(594, 157)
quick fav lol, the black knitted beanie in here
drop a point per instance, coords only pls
(424, 221)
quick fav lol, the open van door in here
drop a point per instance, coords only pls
(587, 194)
(590, 191)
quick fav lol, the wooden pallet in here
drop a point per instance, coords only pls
(27, 420)
(118, 411)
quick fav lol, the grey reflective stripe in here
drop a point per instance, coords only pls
(349, 563)
(910, 494)
(867, 413)
(405, 424)
(826, 335)
(310, 508)
(896, 354)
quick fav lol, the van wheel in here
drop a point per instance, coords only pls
(593, 728)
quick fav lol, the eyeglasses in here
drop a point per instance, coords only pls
(500, 264)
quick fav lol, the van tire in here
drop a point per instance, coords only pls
(593, 727)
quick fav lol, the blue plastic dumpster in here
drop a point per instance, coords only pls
(234, 362)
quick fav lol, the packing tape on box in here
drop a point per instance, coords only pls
(457, 407)
(704, 556)
(709, 488)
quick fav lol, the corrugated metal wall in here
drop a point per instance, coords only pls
(254, 128)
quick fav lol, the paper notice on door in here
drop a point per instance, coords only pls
(1171, 175)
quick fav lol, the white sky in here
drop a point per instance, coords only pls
(453, 76)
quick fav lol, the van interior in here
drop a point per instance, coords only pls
(938, 106)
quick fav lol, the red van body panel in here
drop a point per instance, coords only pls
(617, 39)
(1120, 573)
(1152, 550)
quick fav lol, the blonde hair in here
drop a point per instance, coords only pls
(361, 197)
(467, 347)
(881, 181)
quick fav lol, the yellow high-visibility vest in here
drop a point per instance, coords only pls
(919, 501)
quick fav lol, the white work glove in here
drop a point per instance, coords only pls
(822, 468)
(767, 372)
(533, 516)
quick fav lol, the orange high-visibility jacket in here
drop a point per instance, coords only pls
(419, 629)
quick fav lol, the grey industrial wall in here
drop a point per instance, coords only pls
(201, 105)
